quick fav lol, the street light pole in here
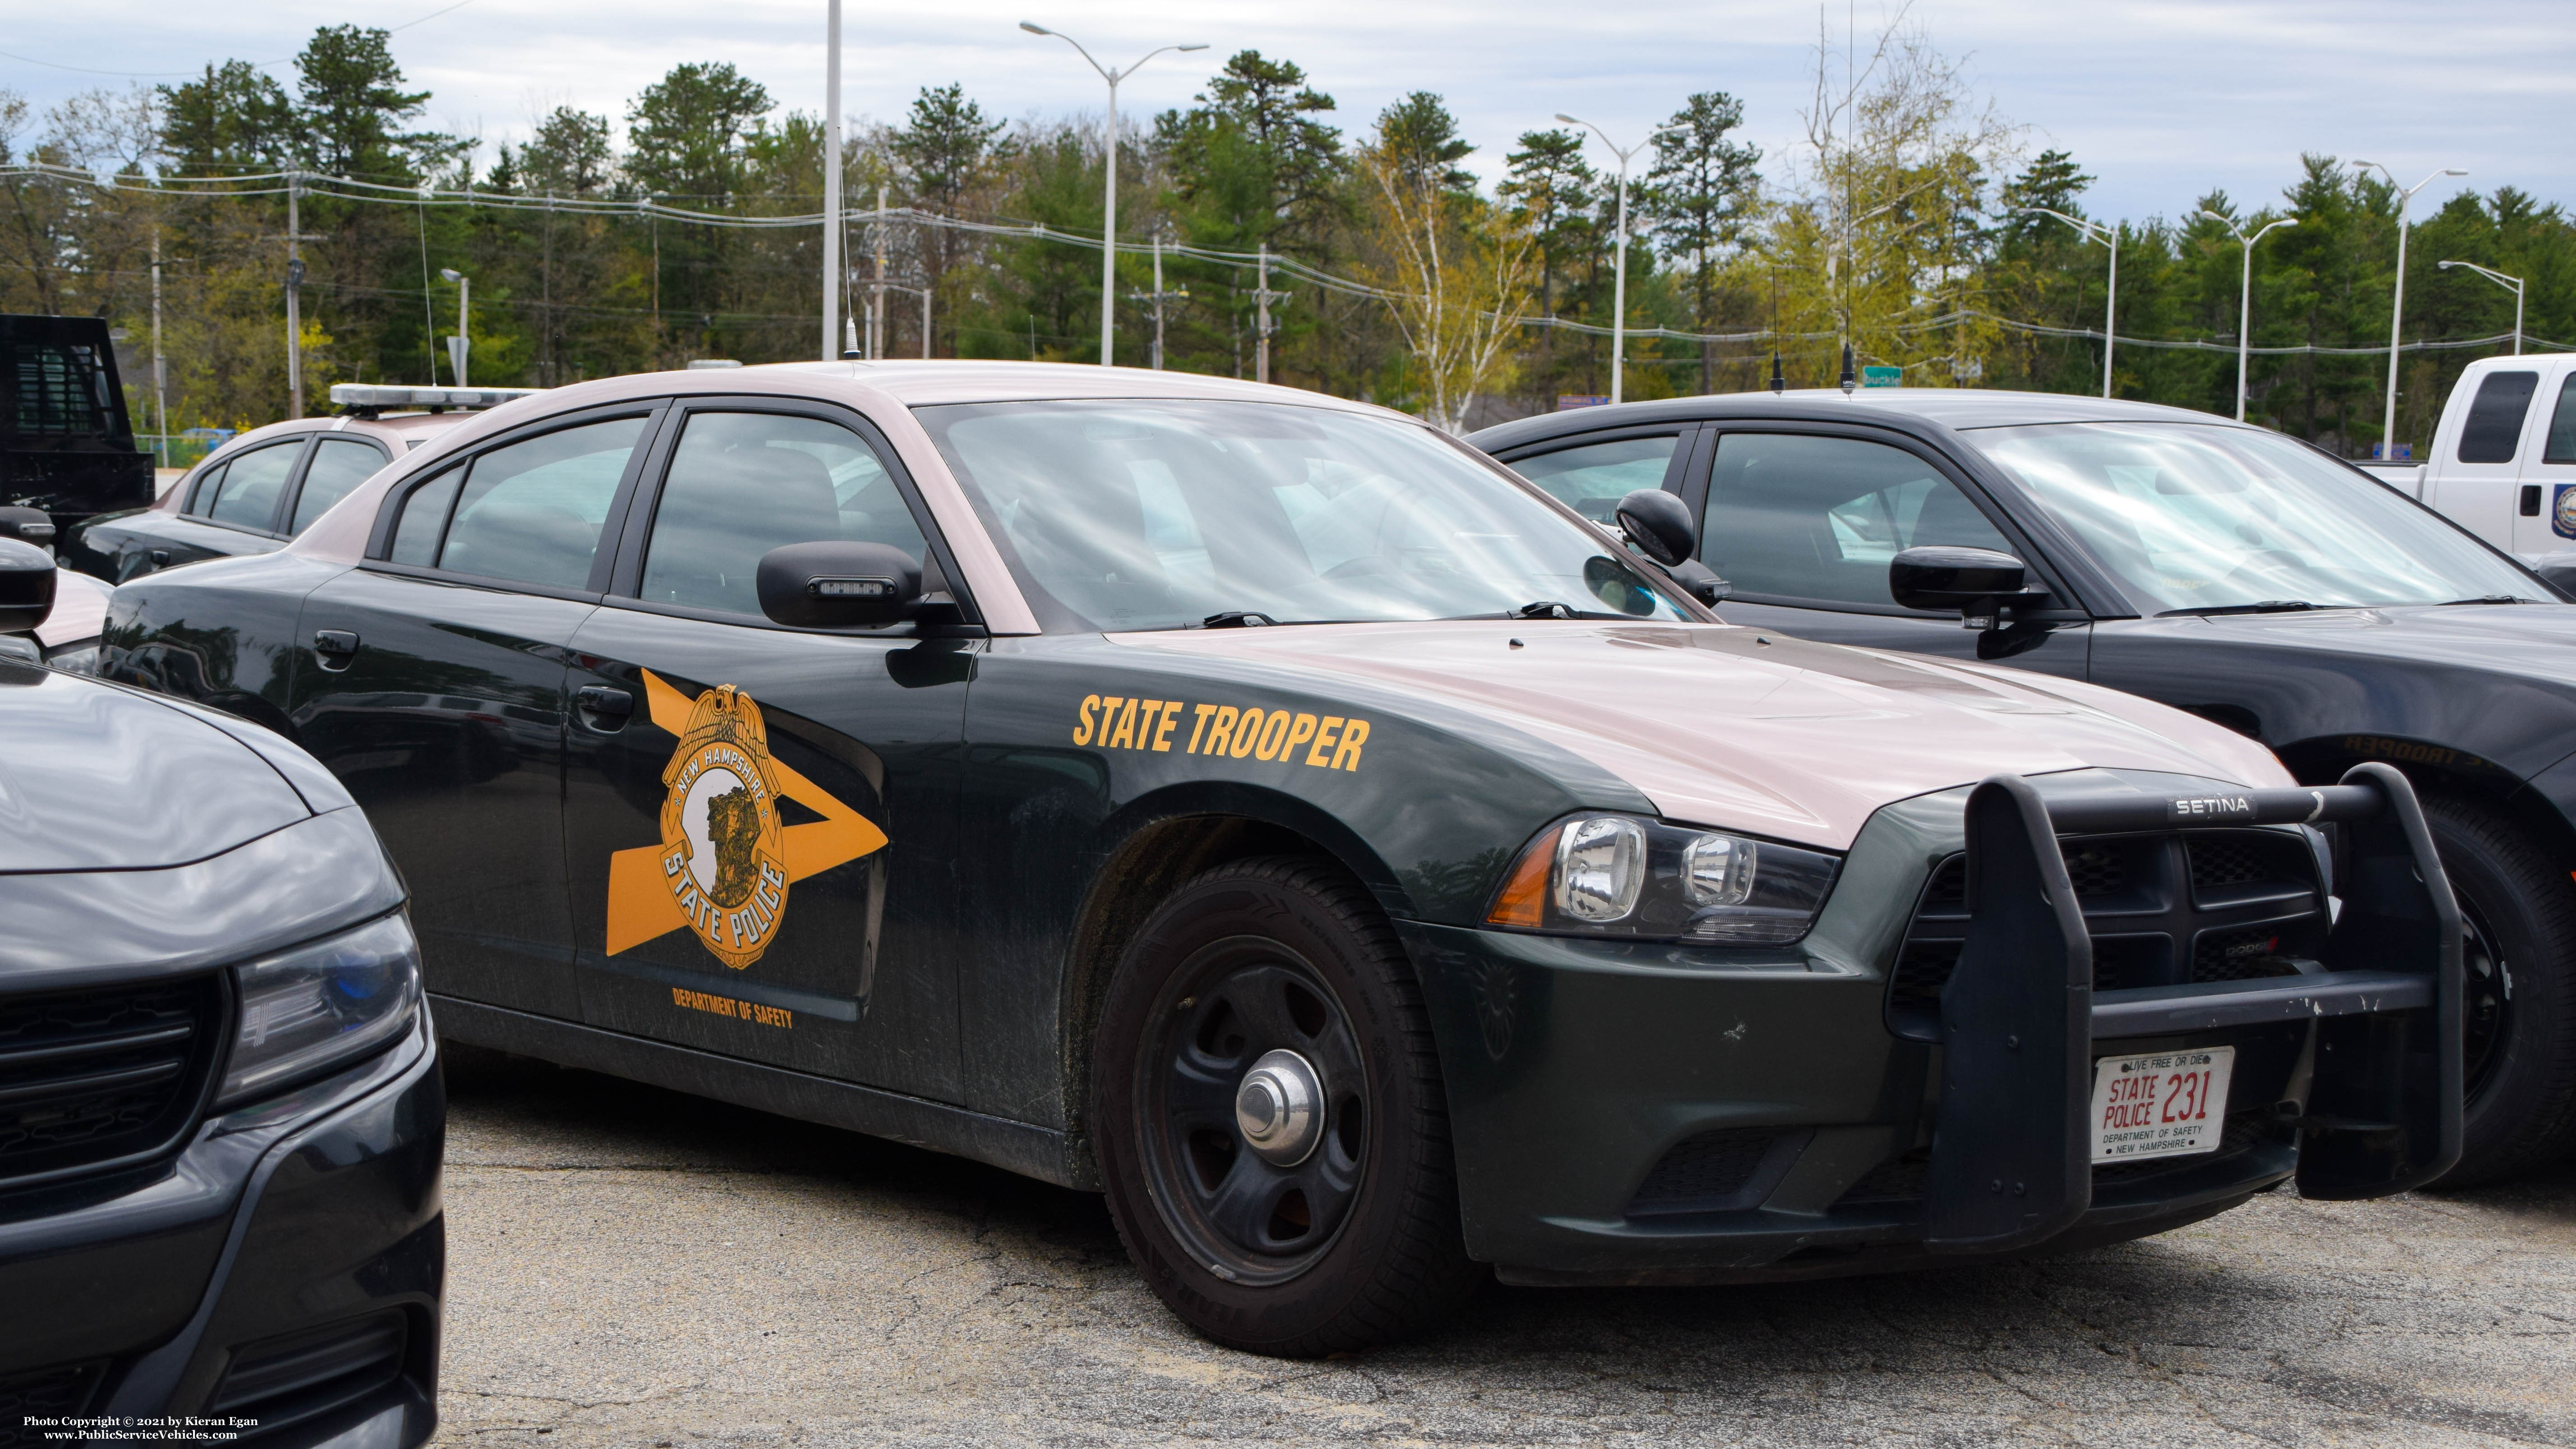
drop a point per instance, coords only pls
(2095, 231)
(2245, 300)
(2397, 307)
(1619, 264)
(463, 341)
(2510, 284)
(832, 182)
(1109, 204)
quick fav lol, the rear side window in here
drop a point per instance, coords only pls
(339, 465)
(1820, 518)
(2494, 428)
(424, 518)
(531, 512)
(252, 485)
(2561, 447)
(1591, 479)
(208, 484)
(741, 484)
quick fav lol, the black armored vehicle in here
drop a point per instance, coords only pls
(66, 441)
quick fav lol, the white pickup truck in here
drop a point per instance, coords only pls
(2503, 461)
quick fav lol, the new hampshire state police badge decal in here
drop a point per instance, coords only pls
(725, 861)
(722, 855)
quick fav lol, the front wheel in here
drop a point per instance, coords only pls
(1269, 1116)
(2518, 1008)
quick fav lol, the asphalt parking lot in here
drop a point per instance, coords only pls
(629, 1266)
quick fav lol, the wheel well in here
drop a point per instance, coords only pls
(2439, 769)
(1145, 868)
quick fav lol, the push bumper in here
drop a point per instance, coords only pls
(1644, 1113)
(280, 1280)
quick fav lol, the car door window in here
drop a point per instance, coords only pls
(339, 465)
(1819, 518)
(252, 484)
(1592, 478)
(201, 496)
(2561, 447)
(2494, 427)
(741, 484)
(530, 512)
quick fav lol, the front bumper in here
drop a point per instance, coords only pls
(285, 1270)
(1626, 1113)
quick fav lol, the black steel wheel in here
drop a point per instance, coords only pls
(2518, 1016)
(1269, 1117)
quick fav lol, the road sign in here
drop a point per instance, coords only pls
(1565, 400)
(1881, 376)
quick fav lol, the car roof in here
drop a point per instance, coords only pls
(1949, 407)
(923, 382)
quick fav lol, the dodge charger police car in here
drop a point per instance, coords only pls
(1365, 870)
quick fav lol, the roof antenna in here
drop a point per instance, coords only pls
(1849, 380)
(1778, 382)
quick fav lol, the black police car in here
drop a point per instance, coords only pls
(2220, 568)
(220, 1109)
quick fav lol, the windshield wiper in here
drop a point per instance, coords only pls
(2489, 599)
(2268, 606)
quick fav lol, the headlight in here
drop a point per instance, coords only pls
(1613, 875)
(313, 1008)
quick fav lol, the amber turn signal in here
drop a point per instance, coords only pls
(1523, 899)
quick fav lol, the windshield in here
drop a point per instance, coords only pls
(2196, 517)
(1170, 514)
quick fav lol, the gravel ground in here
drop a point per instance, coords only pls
(629, 1266)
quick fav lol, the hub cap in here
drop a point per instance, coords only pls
(1256, 1115)
(1280, 1108)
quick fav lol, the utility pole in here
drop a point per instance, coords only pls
(1619, 282)
(2397, 304)
(2245, 299)
(463, 342)
(294, 297)
(1263, 296)
(832, 182)
(1155, 299)
(877, 312)
(160, 369)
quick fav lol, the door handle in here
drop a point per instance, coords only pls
(602, 708)
(335, 648)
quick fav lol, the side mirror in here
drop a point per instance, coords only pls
(834, 584)
(1951, 576)
(1658, 524)
(26, 586)
(1702, 581)
(28, 525)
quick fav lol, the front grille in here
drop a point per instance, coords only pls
(54, 1393)
(2168, 909)
(287, 1380)
(1706, 1172)
(107, 1075)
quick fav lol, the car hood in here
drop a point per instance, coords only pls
(2529, 641)
(94, 777)
(1733, 727)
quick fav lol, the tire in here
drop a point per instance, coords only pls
(1357, 1241)
(2518, 913)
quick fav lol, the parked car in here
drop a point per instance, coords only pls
(220, 1108)
(264, 487)
(2218, 568)
(66, 441)
(2503, 460)
(1264, 809)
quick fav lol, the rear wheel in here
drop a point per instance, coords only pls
(1270, 1119)
(2518, 1007)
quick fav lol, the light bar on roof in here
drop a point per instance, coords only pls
(381, 395)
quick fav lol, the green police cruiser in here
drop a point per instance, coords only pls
(1369, 873)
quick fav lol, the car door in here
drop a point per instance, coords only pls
(1803, 522)
(2476, 469)
(761, 819)
(431, 680)
(2545, 520)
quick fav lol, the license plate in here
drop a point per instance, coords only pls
(2172, 1104)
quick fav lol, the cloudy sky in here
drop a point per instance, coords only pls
(2163, 100)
